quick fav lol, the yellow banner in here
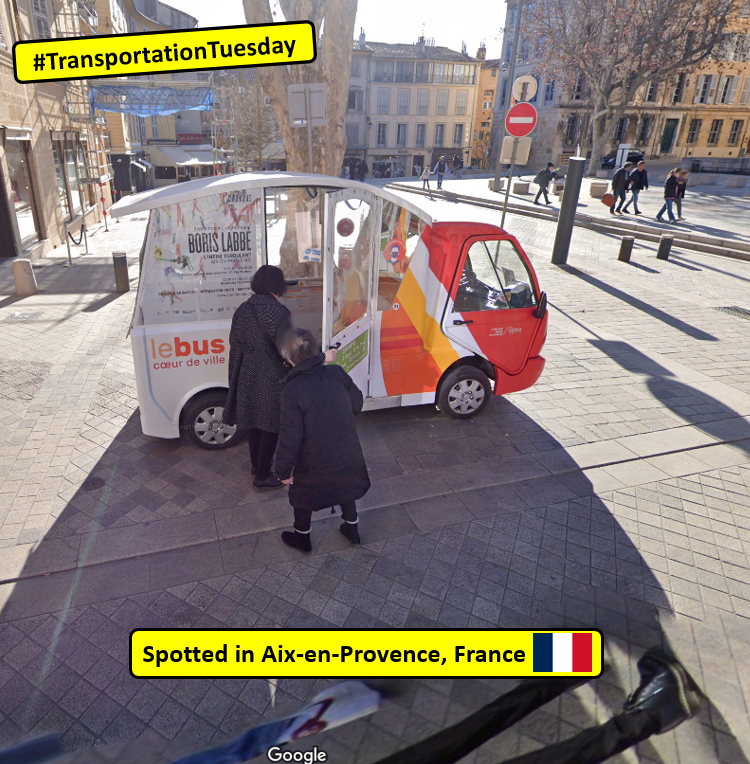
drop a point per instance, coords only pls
(344, 653)
(164, 52)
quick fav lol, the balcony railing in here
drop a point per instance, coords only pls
(382, 77)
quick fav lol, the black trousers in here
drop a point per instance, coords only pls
(587, 747)
(262, 448)
(542, 190)
(302, 517)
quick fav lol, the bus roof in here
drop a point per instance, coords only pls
(217, 184)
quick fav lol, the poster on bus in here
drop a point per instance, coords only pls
(200, 257)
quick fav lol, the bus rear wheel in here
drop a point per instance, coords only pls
(201, 423)
(464, 392)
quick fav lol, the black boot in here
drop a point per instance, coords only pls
(666, 691)
(297, 540)
(350, 531)
(270, 482)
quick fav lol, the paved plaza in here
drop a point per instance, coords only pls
(613, 494)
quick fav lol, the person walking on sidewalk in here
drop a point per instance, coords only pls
(620, 185)
(426, 179)
(638, 182)
(440, 169)
(682, 181)
(543, 178)
(671, 190)
(319, 455)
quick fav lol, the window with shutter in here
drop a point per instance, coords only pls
(41, 20)
(3, 44)
(745, 94)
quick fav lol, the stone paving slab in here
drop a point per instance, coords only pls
(651, 550)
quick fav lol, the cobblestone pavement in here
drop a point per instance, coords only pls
(712, 210)
(613, 494)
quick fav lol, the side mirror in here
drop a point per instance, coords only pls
(541, 309)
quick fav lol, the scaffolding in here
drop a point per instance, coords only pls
(78, 18)
(223, 133)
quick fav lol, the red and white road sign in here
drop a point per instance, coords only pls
(521, 120)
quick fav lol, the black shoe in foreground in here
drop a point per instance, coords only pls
(296, 540)
(666, 691)
(350, 531)
(270, 482)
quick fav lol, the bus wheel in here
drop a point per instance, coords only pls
(201, 425)
(464, 392)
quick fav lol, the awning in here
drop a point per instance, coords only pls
(205, 156)
(139, 165)
(171, 156)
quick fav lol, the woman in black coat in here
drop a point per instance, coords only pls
(256, 370)
(319, 454)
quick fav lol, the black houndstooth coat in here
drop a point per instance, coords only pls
(255, 371)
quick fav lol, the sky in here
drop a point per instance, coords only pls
(447, 22)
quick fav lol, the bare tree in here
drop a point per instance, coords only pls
(482, 150)
(334, 26)
(612, 48)
(255, 121)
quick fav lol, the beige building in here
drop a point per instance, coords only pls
(408, 105)
(51, 156)
(487, 93)
(698, 118)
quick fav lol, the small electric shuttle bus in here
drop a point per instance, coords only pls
(422, 311)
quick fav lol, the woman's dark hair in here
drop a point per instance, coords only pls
(298, 346)
(269, 279)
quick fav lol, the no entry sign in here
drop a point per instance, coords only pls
(521, 120)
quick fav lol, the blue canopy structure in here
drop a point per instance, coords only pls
(148, 102)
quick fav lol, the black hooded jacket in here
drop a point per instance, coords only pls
(318, 441)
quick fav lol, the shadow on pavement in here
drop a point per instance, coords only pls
(654, 312)
(539, 550)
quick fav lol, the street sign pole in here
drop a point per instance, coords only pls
(308, 117)
(510, 178)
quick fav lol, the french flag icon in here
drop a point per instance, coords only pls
(563, 652)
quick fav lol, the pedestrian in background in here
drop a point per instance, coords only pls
(440, 169)
(682, 181)
(319, 454)
(426, 179)
(638, 182)
(670, 194)
(543, 178)
(457, 165)
(620, 185)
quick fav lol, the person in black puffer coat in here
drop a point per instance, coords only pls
(319, 455)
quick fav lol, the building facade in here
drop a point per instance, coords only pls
(51, 156)
(408, 106)
(699, 118)
(487, 94)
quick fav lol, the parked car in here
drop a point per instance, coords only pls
(608, 162)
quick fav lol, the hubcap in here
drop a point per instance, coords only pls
(466, 396)
(209, 427)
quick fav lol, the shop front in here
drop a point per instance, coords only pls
(21, 209)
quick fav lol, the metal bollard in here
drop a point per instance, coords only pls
(24, 277)
(122, 280)
(665, 246)
(626, 249)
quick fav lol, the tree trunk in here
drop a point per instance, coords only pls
(336, 17)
